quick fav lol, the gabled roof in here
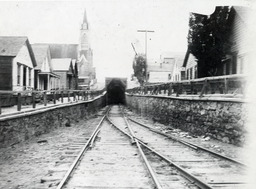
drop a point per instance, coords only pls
(160, 67)
(11, 45)
(82, 59)
(243, 13)
(189, 59)
(64, 50)
(61, 64)
(168, 54)
(167, 67)
(40, 52)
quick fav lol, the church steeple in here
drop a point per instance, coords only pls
(85, 22)
(85, 17)
(84, 32)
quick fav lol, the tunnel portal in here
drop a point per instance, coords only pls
(116, 90)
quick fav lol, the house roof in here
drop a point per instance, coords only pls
(168, 54)
(40, 52)
(160, 67)
(82, 59)
(11, 45)
(61, 64)
(64, 50)
(243, 13)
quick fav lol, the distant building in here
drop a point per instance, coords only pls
(86, 71)
(167, 68)
(45, 78)
(65, 69)
(190, 67)
(17, 64)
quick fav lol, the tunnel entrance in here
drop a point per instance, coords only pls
(116, 90)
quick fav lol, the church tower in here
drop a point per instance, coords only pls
(86, 71)
(84, 36)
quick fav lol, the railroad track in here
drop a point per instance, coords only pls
(210, 168)
(112, 158)
(108, 160)
(123, 155)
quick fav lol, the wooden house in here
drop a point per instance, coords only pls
(65, 69)
(237, 58)
(17, 64)
(190, 67)
(67, 51)
(45, 78)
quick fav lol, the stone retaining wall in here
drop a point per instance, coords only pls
(20, 127)
(219, 119)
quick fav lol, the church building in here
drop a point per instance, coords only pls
(86, 71)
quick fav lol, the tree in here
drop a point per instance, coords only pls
(139, 68)
(208, 39)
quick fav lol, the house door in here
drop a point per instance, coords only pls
(24, 76)
(45, 84)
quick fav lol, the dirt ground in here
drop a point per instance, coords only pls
(31, 164)
(26, 165)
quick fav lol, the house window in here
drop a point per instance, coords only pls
(227, 67)
(29, 76)
(18, 73)
(190, 74)
(240, 65)
(24, 76)
(196, 71)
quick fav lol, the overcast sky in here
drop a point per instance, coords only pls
(113, 26)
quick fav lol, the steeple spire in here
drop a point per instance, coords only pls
(85, 17)
(84, 25)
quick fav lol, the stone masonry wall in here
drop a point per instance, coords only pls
(20, 127)
(222, 120)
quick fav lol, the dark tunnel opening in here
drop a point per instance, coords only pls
(116, 92)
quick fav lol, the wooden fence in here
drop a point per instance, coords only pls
(231, 84)
(20, 98)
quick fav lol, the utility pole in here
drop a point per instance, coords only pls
(146, 32)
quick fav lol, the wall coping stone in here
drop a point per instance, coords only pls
(193, 98)
(44, 109)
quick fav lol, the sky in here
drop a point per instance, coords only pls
(113, 26)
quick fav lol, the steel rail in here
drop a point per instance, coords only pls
(94, 137)
(134, 139)
(67, 175)
(187, 175)
(194, 146)
(107, 118)
(152, 173)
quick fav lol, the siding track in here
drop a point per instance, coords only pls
(213, 169)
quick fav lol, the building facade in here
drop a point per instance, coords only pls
(64, 68)
(17, 64)
(167, 68)
(237, 51)
(45, 78)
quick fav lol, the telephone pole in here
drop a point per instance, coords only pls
(146, 32)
